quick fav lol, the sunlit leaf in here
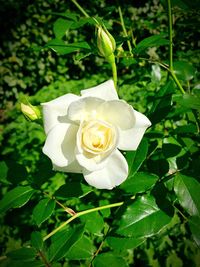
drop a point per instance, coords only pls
(61, 26)
(16, 198)
(187, 190)
(143, 218)
(188, 101)
(43, 210)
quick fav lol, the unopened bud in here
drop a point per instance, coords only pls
(105, 42)
(30, 112)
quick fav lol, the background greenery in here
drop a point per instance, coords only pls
(164, 170)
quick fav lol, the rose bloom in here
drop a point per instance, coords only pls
(86, 133)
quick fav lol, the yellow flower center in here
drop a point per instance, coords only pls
(98, 137)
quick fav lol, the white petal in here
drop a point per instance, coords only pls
(104, 91)
(72, 167)
(84, 109)
(117, 112)
(114, 173)
(60, 144)
(130, 139)
(56, 108)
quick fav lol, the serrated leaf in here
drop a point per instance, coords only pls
(63, 241)
(194, 223)
(24, 254)
(139, 182)
(83, 249)
(109, 259)
(123, 243)
(136, 158)
(43, 210)
(187, 190)
(36, 240)
(16, 198)
(154, 40)
(61, 26)
(143, 218)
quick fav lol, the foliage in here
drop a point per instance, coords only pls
(55, 219)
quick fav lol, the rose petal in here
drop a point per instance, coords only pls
(72, 167)
(114, 173)
(130, 139)
(117, 112)
(104, 91)
(84, 109)
(60, 144)
(55, 108)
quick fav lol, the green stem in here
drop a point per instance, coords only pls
(124, 29)
(111, 60)
(170, 35)
(79, 214)
(177, 81)
(80, 8)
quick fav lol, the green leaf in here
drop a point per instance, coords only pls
(188, 101)
(61, 26)
(3, 172)
(123, 243)
(16, 198)
(83, 249)
(73, 189)
(194, 223)
(184, 70)
(139, 182)
(16, 172)
(43, 210)
(36, 240)
(143, 218)
(94, 222)
(136, 158)
(186, 129)
(162, 103)
(170, 150)
(24, 254)
(63, 241)
(60, 47)
(154, 40)
(187, 190)
(109, 259)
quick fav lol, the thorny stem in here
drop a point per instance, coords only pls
(80, 8)
(124, 29)
(79, 214)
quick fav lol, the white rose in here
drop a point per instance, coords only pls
(85, 133)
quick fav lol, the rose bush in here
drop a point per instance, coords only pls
(85, 134)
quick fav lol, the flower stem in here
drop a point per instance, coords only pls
(79, 214)
(111, 60)
(80, 8)
(124, 29)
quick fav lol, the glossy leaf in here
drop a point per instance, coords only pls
(109, 259)
(194, 223)
(16, 198)
(43, 210)
(143, 218)
(61, 26)
(154, 40)
(123, 243)
(187, 190)
(36, 240)
(25, 254)
(136, 158)
(139, 183)
(83, 249)
(63, 241)
(73, 189)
